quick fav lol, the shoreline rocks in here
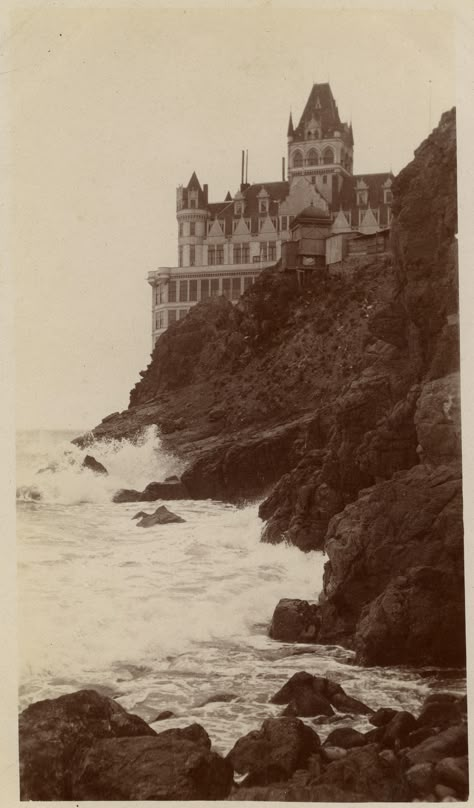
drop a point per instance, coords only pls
(169, 489)
(84, 746)
(162, 516)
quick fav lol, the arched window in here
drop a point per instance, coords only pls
(328, 156)
(297, 160)
(313, 158)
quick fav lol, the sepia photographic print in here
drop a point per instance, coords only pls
(240, 566)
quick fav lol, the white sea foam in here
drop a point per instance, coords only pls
(52, 471)
(162, 617)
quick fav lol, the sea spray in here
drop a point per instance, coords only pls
(167, 617)
(50, 470)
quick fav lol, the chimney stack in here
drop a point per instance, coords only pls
(283, 168)
(242, 171)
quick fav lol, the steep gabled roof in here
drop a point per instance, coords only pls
(322, 106)
(194, 183)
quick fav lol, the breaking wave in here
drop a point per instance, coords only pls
(49, 471)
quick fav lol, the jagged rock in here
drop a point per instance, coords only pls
(314, 695)
(453, 771)
(162, 516)
(412, 520)
(389, 323)
(363, 771)
(398, 728)
(295, 621)
(451, 742)
(418, 619)
(346, 738)
(286, 743)
(170, 489)
(126, 495)
(92, 464)
(330, 753)
(53, 732)
(441, 709)
(382, 716)
(173, 765)
(438, 420)
(167, 490)
(421, 778)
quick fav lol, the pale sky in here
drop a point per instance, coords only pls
(112, 109)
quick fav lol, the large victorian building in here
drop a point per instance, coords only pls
(222, 246)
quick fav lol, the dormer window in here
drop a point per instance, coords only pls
(362, 197)
(387, 196)
(238, 209)
(263, 206)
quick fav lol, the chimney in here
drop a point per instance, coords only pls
(247, 167)
(205, 192)
(283, 168)
(242, 171)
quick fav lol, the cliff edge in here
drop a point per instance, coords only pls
(339, 402)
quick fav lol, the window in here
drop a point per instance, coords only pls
(226, 287)
(313, 158)
(235, 288)
(328, 157)
(220, 254)
(192, 204)
(204, 289)
(214, 287)
(192, 255)
(180, 228)
(183, 291)
(263, 206)
(272, 252)
(172, 292)
(171, 316)
(193, 290)
(284, 222)
(237, 254)
(245, 253)
(182, 313)
(325, 179)
(263, 251)
(211, 256)
(247, 283)
(388, 196)
(180, 256)
(362, 197)
(159, 320)
(297, 159)
(192, 228)
(313, 180)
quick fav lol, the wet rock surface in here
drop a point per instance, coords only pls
(162, 516)
(169, 489)
(92, 464)
(86, 747)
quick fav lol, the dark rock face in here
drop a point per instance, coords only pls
(418, 618)
(413, 520)
(92, 464)
(295, 621)
(285, 743)
(308, 695)
(169, 766)
(162, 516)
(170, 489)
(365, 772)
(54, 731)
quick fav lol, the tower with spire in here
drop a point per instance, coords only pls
(223, 246)
(321, 146)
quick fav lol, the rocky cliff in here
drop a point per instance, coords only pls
(339, 403)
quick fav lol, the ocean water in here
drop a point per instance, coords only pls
(168, 617)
